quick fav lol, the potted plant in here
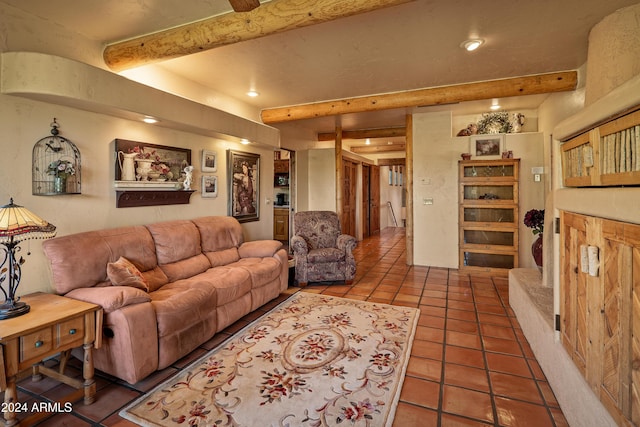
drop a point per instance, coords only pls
(534, 219)
(60, 170)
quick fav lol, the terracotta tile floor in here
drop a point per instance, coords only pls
(470, 363)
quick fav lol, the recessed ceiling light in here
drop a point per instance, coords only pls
(495, 105)
(368, 141)
(252, 93)
(150, 120)
(472, 44)
(245, 141)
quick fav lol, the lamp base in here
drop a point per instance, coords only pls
(8, 310)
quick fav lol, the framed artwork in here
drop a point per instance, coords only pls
(244, 185)
(209, 186)
(164, 163)
(489, 146)
(209, 161)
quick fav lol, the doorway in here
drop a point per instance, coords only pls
(284, 190)
(349, 193)
(370, 200)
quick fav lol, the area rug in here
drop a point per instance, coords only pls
(314, 360)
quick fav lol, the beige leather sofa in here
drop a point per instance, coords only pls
(166, 287)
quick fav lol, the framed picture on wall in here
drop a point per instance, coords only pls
(164, 162)
(487, 146)
(209, 161)
(209, 186)
(244, 185)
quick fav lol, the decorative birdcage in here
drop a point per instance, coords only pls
(56, 165)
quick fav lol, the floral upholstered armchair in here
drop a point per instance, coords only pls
(321, 252)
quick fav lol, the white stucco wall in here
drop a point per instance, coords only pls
(435, 176)
(25, 121)
(322, 179)
(614, 52)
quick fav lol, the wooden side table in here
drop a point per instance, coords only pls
(54, 325)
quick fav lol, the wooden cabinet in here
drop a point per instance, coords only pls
(281, 173)
(281, 224)
(600, 308)
(488, 215)
(607, 155)
(281, 166)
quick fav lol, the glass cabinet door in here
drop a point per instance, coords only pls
(489, 260)
(478, 171)
(488, 214)
(489, 192)
(488, 238)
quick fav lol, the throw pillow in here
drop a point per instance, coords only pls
(124, 273)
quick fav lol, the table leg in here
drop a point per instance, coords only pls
(10, 400)
(36, 375)
(87, 373)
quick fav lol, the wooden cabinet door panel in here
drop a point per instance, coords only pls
(573, 292)
(600, 314)
(620, 273)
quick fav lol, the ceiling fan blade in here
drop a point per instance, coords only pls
(244, 5)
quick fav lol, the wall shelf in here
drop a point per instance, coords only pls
(136, 198)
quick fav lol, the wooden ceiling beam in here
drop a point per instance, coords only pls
(372, 149)
(392, 162)
(518, 86)
(271, 17)
(391, 132)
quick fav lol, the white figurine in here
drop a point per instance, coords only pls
(186, 184)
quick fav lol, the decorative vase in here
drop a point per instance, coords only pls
(536, 251)
(60, 184)
(127, 167)
(143, 169)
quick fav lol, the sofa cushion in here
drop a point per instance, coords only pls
(124, 273)
(181, 304)
(230, 283)
(186, 268)
(262, 270)
(219, 233)
(175, 240)
(80, 260)
(223, 257)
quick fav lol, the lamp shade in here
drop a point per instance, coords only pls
(18, 223)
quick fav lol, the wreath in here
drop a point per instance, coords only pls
(491, 123)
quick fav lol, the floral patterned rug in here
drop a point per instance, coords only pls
(314, 360)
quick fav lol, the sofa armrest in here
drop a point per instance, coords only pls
(110, 298)
(346, 243)
(259, 248)
(299, 246)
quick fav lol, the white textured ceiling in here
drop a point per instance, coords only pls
(410, 46)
